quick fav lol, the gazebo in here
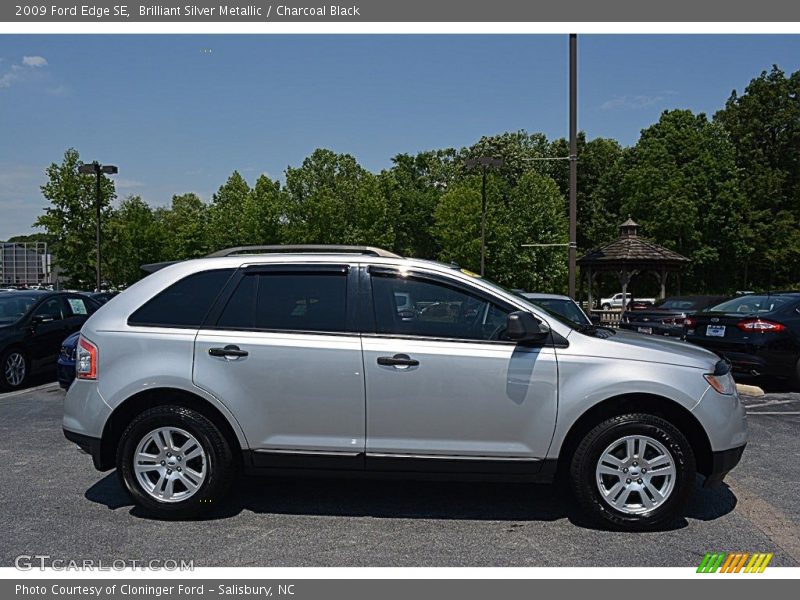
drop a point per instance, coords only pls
(629, 255)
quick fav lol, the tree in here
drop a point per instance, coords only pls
(600, 170)
(136, 237)
(70, 218)
(226, 224)
(412, 189)
(331, 199)
(764, 127)
(264, 213)
(185, 225)
(681, 185)
(530, 212)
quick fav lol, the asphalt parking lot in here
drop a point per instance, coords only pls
(53, 502)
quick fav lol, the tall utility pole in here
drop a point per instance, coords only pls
(573, 159)
(97, 169)
(484, 162)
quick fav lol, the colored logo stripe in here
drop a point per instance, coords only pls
(735, 562)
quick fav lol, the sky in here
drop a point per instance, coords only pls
(179, 113)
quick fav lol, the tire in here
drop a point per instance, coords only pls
(10, 379)
(200, 480)
(610, 440)
(606, 307)
(795, 379)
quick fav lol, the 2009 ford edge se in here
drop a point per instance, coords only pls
(357, 360)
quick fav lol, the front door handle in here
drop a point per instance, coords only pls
(229, 351)
(398, 360)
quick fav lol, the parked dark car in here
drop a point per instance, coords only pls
(666, 317)
(101, 297)
(65, 369)
(758, 333)
(32, 325)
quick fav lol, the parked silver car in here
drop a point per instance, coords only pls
(359, 360)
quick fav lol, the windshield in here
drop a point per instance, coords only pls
(752, 304)
(13, 306)
(562, 307)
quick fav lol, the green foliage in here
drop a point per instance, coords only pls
(136, 236)
(226, 222)
(331, 199)
(186, 227)
(764, 127)
(70, 220)
(680, 183)
(530, 212)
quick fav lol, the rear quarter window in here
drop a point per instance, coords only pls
(184, 303)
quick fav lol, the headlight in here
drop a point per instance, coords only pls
(724, 384)
(721, 379)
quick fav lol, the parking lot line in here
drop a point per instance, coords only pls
(27, 390)
(773, 412)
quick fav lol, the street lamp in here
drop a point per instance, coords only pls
(98, 170)
(484, 162)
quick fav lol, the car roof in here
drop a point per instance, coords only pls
(18, 293)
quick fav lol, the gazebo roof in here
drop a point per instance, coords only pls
(630, 250)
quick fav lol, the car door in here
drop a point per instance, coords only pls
(47, 328)
(442, 382)
(78, 309)
(280, 353)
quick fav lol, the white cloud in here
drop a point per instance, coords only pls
(18, 72)
(34, 61)
(637, 101)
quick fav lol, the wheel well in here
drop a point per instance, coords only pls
(140, 402)
(639, 403)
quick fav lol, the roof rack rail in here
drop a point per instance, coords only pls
(306, 248)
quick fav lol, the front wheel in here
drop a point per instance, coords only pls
(175, 462)
(606, 307)
(633, 472)
(14, 366)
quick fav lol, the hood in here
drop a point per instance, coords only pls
(635, 346)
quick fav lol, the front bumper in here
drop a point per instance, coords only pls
(721, 464)
(65, 373)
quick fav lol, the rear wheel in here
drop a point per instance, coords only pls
(633, 472)
(15, 369)
(175, 462)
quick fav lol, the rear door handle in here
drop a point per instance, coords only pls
(398, 360)
(229, 351)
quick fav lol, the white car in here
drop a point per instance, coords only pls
(615, 301)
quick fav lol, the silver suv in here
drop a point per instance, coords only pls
(354, 359)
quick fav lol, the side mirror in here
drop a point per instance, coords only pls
(39, 319)
(523, 327)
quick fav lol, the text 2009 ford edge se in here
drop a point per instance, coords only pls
(357, 360)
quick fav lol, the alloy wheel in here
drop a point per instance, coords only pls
(635, 474)
(170, 464)
(14, 369)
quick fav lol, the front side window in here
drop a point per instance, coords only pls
(184, 303)
(421, 307)
(50, 310)
(288, 302)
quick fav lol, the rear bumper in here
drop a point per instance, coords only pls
(90, 445)
(657, 328)
(721, 464)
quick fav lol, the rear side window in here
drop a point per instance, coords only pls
(184, 303)
(315, 301)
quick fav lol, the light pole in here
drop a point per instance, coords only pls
(573, 160)
(98, 170)
(484, 162)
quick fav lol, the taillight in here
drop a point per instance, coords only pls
(760, 326)
(86, 360)
(690, 322)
